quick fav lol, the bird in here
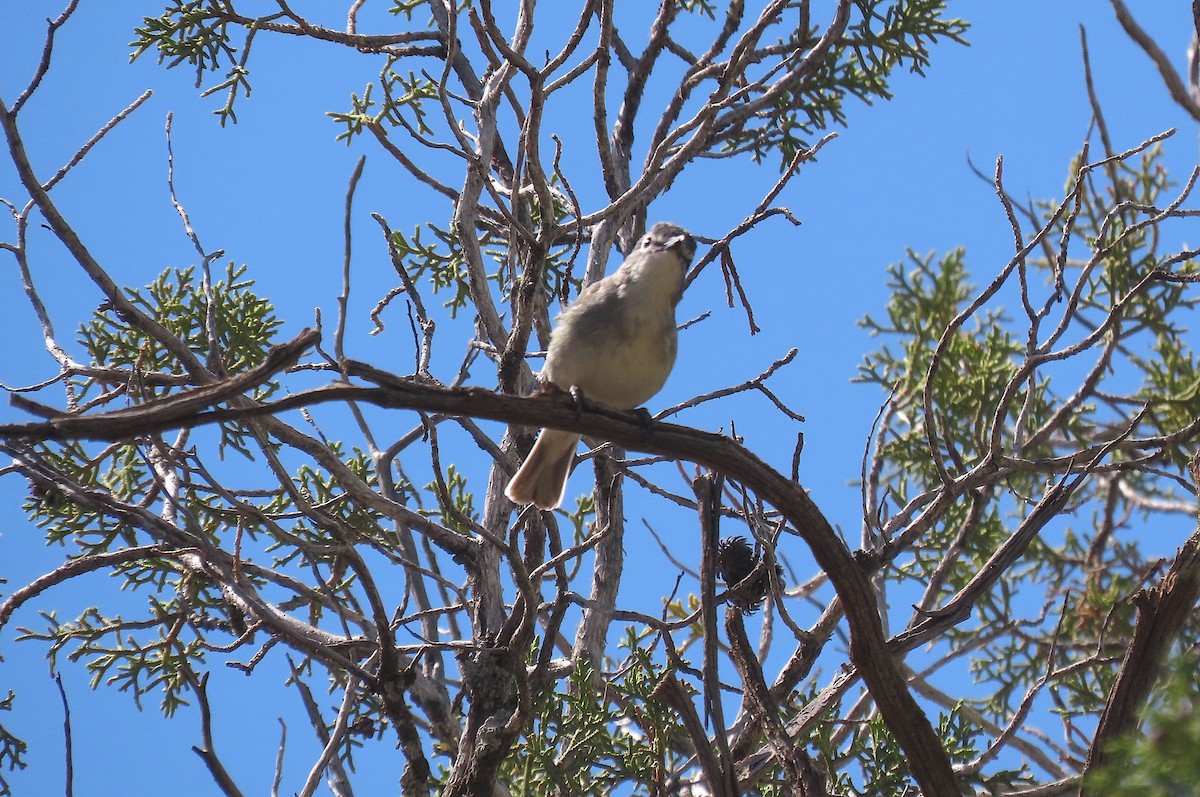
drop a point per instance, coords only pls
(616, 344)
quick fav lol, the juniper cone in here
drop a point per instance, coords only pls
(616, 344)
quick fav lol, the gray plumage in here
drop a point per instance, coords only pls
(617, 344)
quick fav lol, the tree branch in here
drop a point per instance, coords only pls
(1162, 613)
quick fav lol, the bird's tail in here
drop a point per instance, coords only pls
(542, 480)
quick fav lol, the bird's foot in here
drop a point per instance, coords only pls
(645, 420)
(580, 401)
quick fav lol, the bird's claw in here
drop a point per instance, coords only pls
(580, 401)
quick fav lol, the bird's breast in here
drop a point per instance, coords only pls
(620, 358)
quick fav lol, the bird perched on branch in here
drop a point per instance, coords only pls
(616, 344)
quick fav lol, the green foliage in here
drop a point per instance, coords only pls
(924, 299)
(402, 106)
(441, 262)
(164, 650)
(977, 362)
(582, 517)
(1100, 298)
(245, 325)
(456, 505)
(586, 741)
(882, 36)
(166, 658)
(321, 542)
(980, 358)
(12, 749)
(197, 31)
(407, 7)
(190, 30)
(703, 7)
(160, 651)
(881, 768)
(119, 469)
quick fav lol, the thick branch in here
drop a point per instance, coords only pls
(1162, 612)
(176, 409)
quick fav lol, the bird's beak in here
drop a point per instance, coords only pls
(684, 244)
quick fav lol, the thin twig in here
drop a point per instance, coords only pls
(44, 64)
(339, 350)
(208, 753)
(68, 749)
(206, 283)
(336, 736)
(279, 758)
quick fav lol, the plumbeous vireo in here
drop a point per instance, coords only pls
(616, 343)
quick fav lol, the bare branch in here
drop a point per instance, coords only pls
(1170, 76)
(68, 747)
(208, 753)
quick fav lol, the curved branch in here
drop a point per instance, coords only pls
(73, 568)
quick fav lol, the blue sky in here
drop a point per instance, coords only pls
(270, 191)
